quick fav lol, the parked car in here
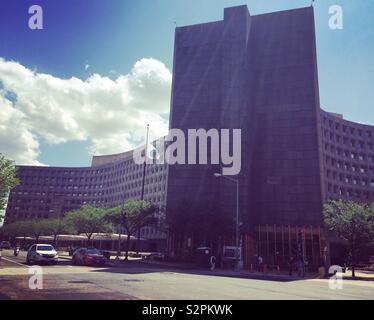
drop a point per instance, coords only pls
(106, 254)
(5, 245)
(71, 250)
(25, 247)
(88, 257)
(42, 253)
(159, 256)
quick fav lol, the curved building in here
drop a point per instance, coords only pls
(257, 73)
(47, 192)
(348, 158)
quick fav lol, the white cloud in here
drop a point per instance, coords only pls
(16, 139)
(111, 113)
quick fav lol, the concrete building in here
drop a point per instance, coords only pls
(257, 73)
(50, 192)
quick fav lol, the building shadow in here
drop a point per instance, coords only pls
(134, 268)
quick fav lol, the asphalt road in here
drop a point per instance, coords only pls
(140, 281)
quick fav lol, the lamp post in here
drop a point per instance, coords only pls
(143, 183)
(237, 240)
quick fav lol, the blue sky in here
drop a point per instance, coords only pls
(111, 36)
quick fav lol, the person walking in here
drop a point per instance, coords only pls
(260, 263)
(301, 268)
(212, 263)
(290, 266)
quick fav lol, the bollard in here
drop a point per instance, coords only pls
(321, 272)
(265, 268)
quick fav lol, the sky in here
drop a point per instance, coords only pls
(99, 71)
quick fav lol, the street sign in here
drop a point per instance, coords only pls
(232, 253)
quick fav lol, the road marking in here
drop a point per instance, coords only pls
(20, 264)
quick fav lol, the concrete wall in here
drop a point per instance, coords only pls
(286, 169)
(258, 74)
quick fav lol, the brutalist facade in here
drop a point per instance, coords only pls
(50, 192)
(254, 73)
(259, 74)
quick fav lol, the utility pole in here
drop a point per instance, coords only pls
(143, 180)
(145, 163)
(237, 224)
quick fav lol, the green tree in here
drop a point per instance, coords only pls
(351, 221)
(57, 227)
(132, 215)
(87, 220)
(17, 229)
(8, 180)
(37, 228)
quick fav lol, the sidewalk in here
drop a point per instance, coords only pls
(281, 276)
(276, 276)
(192, 268)
(360, 275)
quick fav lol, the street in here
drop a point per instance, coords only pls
(136, 280)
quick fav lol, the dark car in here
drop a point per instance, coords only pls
(106, 254)
(88, 257)
(71, 250)
(5, 245)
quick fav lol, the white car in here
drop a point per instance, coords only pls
(42, 253)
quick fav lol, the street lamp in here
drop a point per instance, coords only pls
(220, 175)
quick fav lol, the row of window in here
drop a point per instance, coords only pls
(353, 155)
(348, 141)
(346, 129)
(81, 191)
(33, 180)
(148, 192)
(112, 179)
(349, 193)
(112, 171)
(365, 182)
(347, 166)
(29, 205)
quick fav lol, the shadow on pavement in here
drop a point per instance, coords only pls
(132, 267)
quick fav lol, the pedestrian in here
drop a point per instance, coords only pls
(290, 266)
(255, 263)
(301, 270)
(260, 262)
(212, 263)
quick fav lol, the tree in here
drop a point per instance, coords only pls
(132, 215)
(8, 180)
(38, 228)
(351, 221)
(56, 227)
(88, 220)
(17, 229)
